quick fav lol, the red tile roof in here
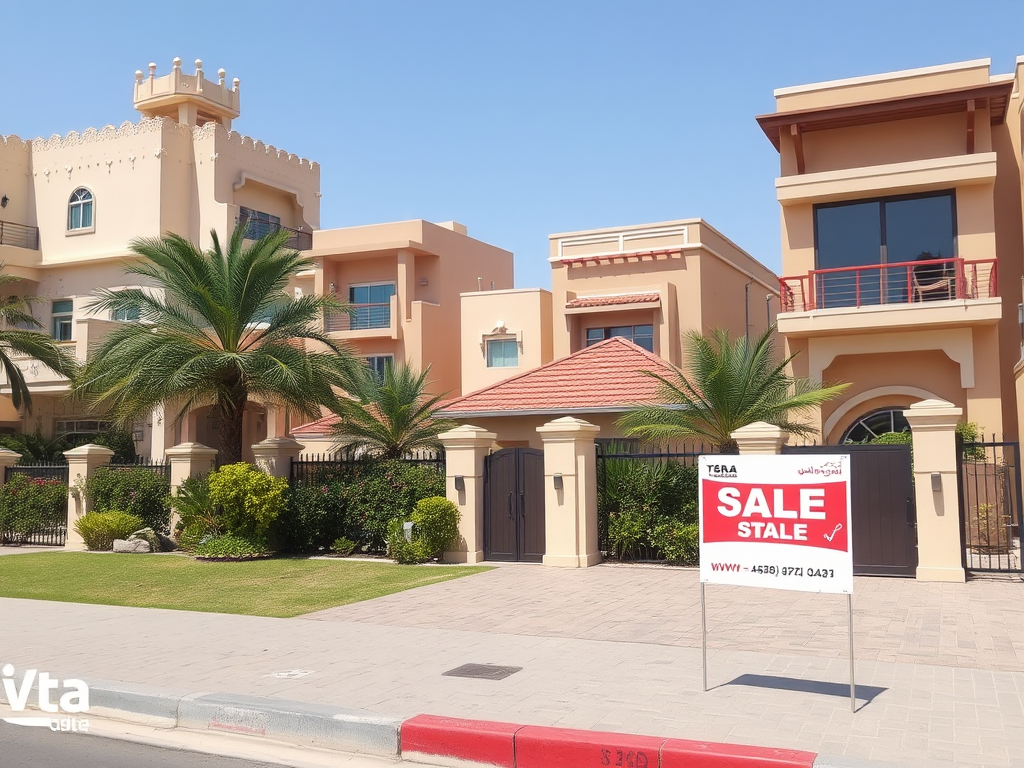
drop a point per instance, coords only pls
(606, 301)
(321, 426)
(603, 377)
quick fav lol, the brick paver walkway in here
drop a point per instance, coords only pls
(612, 648)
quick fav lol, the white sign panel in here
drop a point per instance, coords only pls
(776, 521)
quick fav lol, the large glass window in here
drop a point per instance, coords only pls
(879, 232)
(371, 305)
(80, 209)
(641, 335)
(876, 423)
(63, 317)
(502, 353)
(258, 223)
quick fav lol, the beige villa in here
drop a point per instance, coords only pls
(902, 247)
(70, 205)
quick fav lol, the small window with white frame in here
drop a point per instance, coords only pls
(63, 312)
(502, 353)
(379, 363)
(80, 211)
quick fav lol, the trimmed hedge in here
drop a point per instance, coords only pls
(135, 490)
(31, 505)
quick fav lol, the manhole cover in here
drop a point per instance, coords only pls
(482, 671)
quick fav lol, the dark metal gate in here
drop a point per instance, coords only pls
(514, 505)
(990, 505)
(883, 517)
(41, 522)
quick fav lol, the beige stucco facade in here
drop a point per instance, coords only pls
(952, 130)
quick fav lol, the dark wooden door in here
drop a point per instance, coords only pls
(514, 505)
(883, 517)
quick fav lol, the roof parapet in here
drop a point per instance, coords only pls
(190, 99)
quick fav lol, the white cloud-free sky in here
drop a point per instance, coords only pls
(518, 119)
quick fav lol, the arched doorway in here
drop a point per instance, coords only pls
(205, 425)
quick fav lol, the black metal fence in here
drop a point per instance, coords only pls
(143, 462)
(325, 467)
(626, 470)
(990, 505)
(39, 528)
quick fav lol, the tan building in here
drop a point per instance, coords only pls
(902, 246)
(70, 206)
(647, 283)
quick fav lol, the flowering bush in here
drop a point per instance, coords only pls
(30, 505)
(136, 490)
(247, 500)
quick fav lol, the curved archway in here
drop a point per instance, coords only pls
(872, 394)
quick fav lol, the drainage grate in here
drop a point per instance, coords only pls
(482, 671)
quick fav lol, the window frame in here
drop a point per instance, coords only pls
(504, 339)
(80, 205)
(607, 334)
(355, 324)
(59, 318)
(881, 200)
(386, 357)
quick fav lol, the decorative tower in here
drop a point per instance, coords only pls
(189, 99)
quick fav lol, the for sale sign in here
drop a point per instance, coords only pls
(776, 521)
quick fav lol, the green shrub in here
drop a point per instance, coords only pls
(197, 516)
(405, 551)
(228, 546)
(99, 529)
(315, 516)
(641, 494)
(136, 490)
(342, 546)
(385, 491)
(435, 524)
(30, 505)
(678, 542)
(892, 438)
(247, 501)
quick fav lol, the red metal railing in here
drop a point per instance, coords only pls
(907, 282)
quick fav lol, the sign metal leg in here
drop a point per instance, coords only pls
(853, 686)
(704, 639)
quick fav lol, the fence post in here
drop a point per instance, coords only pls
(939, 545)
(7, 459)
(570, 511)
(760, 438)
(465, 449)
(188, 460)
(275, 454)
(83, 461)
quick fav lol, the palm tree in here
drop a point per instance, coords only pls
(33, 447)
(217, 328)
(727, 385)
(21, 334)
(388, 416)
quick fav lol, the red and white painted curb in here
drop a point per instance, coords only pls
(428, 739)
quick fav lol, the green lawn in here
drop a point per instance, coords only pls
(282, 588)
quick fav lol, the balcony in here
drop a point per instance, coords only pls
(907, 294)
(300, 239)
(363, 321)
(19, 235)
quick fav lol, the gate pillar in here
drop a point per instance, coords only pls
(465, 448)
(760, 438)
(570, 493)
(7, 459)
(939, 546)
(83, 462)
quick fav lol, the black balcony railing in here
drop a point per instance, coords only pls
(361, 317)
(300, 239)
(19, 235)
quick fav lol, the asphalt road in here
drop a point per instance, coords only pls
(22, 747)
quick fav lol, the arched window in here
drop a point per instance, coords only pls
(80, 210)
(876, 423)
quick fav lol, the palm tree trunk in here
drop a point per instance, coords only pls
(231, 420)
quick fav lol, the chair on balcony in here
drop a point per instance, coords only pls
(933, 282)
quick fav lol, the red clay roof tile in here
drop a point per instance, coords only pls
(606, 301)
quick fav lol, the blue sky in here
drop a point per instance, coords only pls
(518, 119)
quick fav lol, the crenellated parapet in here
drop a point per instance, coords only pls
(108, 133)
(248, 144)
(190, 99)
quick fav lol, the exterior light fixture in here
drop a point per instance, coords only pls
(460, 483)
(558, 482)
(4, 201)
(936, 482)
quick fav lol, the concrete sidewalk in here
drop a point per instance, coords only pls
(609, 648)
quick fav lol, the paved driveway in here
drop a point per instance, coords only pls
(979, 624)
